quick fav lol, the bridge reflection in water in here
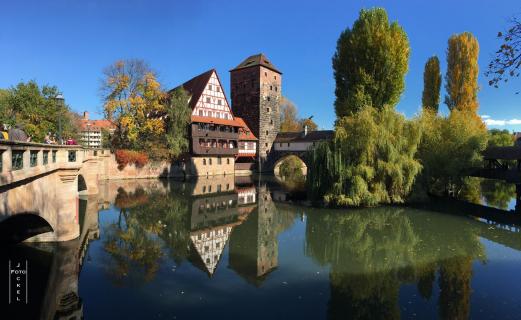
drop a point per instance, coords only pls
(151, 228)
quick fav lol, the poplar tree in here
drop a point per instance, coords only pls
(370, 63)
(431, 84)
(461, 80)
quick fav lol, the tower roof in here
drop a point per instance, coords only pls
(256, 60)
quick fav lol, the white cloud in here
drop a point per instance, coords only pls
(492, 122)
(485, 116)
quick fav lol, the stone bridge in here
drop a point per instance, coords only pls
(293, 144)
(40, 185)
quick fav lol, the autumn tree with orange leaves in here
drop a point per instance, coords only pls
(461, 80)
(142, 112)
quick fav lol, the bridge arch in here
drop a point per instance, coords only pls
(294, 161)
(22, 226)
(82, 184)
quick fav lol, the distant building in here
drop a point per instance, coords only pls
(91, 135)
(517, 138)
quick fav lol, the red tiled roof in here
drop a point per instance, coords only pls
(96, 124)
(245, 133)
(226, 122)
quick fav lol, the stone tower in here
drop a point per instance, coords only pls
(256, 86)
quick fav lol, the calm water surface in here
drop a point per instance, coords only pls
(235, 248)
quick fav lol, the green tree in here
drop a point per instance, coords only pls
(370, 63)
(461, 80)
(500, 138)
(37, 111)
(371, 160)
(178, 120)
(431, 84)
(449, 146)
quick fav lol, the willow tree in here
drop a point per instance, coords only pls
(371, 161)
(461, 80)
(370, 62)
(431, 84)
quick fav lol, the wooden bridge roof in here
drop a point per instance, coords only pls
(502, 153)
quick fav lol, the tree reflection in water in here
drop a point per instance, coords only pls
(373, 252)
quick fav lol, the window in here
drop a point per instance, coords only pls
(209, 188)
(266, 146)
(275, 88)
(275, 77)
(200, 112)
(219, 160)
(1, 160)
(267, 132)
(54, 152)
(17, 159)
(218, 188)
(209, 87)
(204, 190)
(46, 157)
(228, 185)
(204, 162)
(219, 101)
(208, 100)
(72, 156)
(210, 161)
(265, 74)
(33, 158)
(269, 99)
(218, 89)
(271, 87)
(268, 109)
(288, 144)
(228, 161)
(271, 121)
(280, 144)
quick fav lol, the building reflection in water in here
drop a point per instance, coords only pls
(371, 253)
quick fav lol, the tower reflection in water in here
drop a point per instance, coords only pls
(371, 253)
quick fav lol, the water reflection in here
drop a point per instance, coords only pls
(232, 231)
(374, 252)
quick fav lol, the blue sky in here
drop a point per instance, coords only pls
(67, 43)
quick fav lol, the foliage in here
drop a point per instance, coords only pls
(370, 63)
(291, 167)
(431, 84)
(106, 139)
(500, 138)
(449, 146)
(312, 126)
(289, 120)
(498, 193)
(461, 80)
(178, 120)
(126, 157)
(371, 160)
(133, 100)
(37, 111)
(508, 58)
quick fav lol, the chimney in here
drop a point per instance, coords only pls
(305, 130)
(85, 115)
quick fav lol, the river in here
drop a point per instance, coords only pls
(237, 248)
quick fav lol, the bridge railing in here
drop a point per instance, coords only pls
(24, 160)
